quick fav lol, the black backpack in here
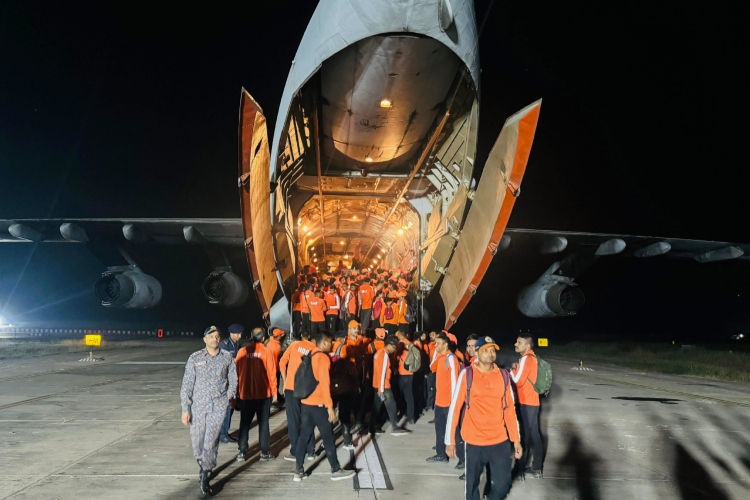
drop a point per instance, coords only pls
(341, 379)
(305, 382)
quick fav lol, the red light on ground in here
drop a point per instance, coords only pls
(160, 333)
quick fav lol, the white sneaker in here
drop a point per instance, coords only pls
(348, 447)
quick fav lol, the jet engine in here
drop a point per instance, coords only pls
(549, 300)
(225, 289)
(128, 289)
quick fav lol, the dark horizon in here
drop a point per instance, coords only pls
(111, 111)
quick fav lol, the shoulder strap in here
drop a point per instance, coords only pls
(447, 359)
(469, 379)
(338, 350)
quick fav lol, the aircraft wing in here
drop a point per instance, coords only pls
(552, 242)
(227, 232)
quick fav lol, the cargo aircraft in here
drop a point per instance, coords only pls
(373, 156)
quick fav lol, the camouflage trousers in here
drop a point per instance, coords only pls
(205, 427)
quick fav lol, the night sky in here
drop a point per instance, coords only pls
(131, 111)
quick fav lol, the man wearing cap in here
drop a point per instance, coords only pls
(230, 344)
(208, 387)
(489, 428)
(290, 363)
(333, 302)
(381, 382)
(256, 371)
(446, 368)
(366, 298)
(524, 376)
(350, 303)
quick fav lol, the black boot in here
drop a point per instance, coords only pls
(205, 487)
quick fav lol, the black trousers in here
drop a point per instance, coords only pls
(306, 321)
(345, 404)
(312, 417)
(391, 329)
(331, 322)
(406, 386)
(390, 405)
(431, 389)
(497, 459)
(297, 322)
(419, 393)
(365, 402)
(316, 326)
(532, 439)
(248, 410)
(365, 316)
(294, 423)
(441, 419)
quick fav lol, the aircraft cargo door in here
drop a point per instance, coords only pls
(490, 211)
(255, 199)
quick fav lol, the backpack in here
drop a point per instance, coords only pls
(413, 361)
(470, 378)
(376, 309)
(543, 377)
(388, 313)
(411, 313)
(305, 382)
(341, 379)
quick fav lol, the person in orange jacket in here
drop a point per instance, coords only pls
(288, 367)
(317, 313)
(297, 308)
(489, 427)
(333, 303)
(524, 375)
(390, 323)
(350, 303)
(304, 306)
(430, 382)
(366, 299)
(446, 368)
(273, 344)
(381, 382)
(258, 388)
(317, 411)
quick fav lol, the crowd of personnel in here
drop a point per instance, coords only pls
(357, 381)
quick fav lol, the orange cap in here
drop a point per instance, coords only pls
(450, 336)
(278, 332)
(353, 323)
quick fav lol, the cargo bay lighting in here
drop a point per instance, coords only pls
(386, 103)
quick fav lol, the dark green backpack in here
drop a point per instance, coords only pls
(543, 376)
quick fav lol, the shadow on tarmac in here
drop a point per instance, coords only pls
(581, 463)
(693, 480)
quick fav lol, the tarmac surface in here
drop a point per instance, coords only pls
(108, 430)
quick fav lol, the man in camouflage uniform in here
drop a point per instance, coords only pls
(208, 386)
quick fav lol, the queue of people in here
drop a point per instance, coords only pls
(365, 380)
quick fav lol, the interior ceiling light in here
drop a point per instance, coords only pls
(386, 103)
(342, 243)
(309, 233)
(354, 217)
(400, 232)
(315, 260)
(368, 159)
(304, 228)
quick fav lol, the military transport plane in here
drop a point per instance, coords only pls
(372, 158)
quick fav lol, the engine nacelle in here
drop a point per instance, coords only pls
(131, 289)
(549, 300)
(225, 289)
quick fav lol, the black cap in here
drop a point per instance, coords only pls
(211, 329)
(236, 328)
(391, 340)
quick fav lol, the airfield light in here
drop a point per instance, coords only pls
(386, 103)
(160, 333)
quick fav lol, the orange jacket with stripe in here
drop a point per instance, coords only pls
(291, 360)
(381, 370)
(317, 309)
(487, 420)
(321, 367)
(394, 319)
(256, 372)
(402, 308)
(333, 301)
(446, 368)
(524, 377)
